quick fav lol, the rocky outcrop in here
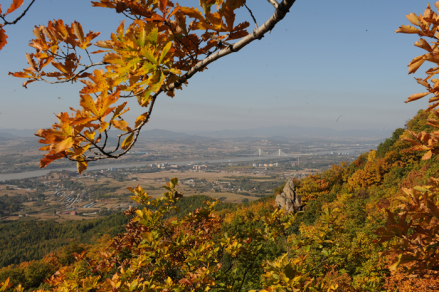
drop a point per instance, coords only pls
(288, 199)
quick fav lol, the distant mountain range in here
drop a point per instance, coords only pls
(157, 134)
(18, 133)
(267, 132)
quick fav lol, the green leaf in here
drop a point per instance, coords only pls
(165, 52)
(420, 189)
(142, 38)
(149, 55)
(152, 36)
(146, 69)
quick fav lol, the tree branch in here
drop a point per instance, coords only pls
(280, 12)
(274, 3)
(18, 18)
(76, 75)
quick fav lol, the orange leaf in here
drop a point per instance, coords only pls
(3, 38)
(59, 66)
(15, 4)
(427, 155)
(99, 51)
(162, 5)
(51, 157)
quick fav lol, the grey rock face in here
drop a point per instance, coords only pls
(288, 199)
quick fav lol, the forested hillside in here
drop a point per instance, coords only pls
(32, 240)
(336, 243)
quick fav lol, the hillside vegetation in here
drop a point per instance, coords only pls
(346, 239)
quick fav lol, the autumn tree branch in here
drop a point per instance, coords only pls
(279, 14)
(18, 18)
(86, 67)
(282, 9)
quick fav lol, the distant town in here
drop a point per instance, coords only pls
(231, 170)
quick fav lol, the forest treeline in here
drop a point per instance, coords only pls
(338, 243)
(32, 240)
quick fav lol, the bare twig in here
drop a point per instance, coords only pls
(76, 75)
(127, 16)
(251, 13)
(18, 18)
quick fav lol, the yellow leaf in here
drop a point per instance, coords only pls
(144, 98)
(415, 64)
(413, 18)
(148, 54)
(31, 61)
(104, 126)
(165, 52)
(118, 112)
(77, 152)
(416, 96)
(88, 104)
(424, 45)
(78, 31)
(81, 165)
(140, 119)
(121, 125)
(139, 213)
(63, 145)
(127, 142)
(407, 29)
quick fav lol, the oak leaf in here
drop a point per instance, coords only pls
(407, 29)
(15, 5)
(416, 96)
(3, 37)
(121, 125)
(127, 142)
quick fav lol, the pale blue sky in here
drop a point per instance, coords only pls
(325, 59)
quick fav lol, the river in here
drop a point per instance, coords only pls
(41, 172)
